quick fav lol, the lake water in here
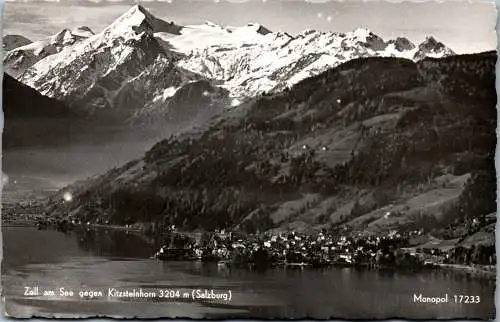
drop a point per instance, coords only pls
(99, 260)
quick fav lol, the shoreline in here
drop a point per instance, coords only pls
(470, 270)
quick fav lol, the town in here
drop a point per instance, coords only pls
(393, 250)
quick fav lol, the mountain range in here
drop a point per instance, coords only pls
(133, 68)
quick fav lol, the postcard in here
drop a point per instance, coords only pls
(276, 159)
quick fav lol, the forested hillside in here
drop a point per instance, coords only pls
(373, 144)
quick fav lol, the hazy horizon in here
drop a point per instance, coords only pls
(464, 26)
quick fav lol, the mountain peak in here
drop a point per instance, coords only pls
(61, 36)
(250, 28)
(364, 37)
(308, 32)
(136, 16)
(362, 32)
(137, 20)
(140, 10)
(402, 43)
(430, 40)
(260, 29)
(137, 9)
(432, 48)
(83, 31)
(431, 44)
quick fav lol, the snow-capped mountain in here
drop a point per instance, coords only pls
(209, 34)
(139, 62)
(274, 61)
(123, 68)
(430, 47)
(401, 44)
(19, 59)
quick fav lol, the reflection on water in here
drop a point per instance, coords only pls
(112, 243)
(101, 259)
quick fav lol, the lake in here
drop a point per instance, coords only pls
(99, 260)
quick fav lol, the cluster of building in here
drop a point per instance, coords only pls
(293, 249)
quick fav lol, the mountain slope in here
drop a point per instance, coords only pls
(373, 144)
(22, 101)
(31, 118)
(193, 103)
(10, 42)
(432, 48)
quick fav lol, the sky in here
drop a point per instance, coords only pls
(464, 26)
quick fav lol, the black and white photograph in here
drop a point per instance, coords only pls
(260, 159)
